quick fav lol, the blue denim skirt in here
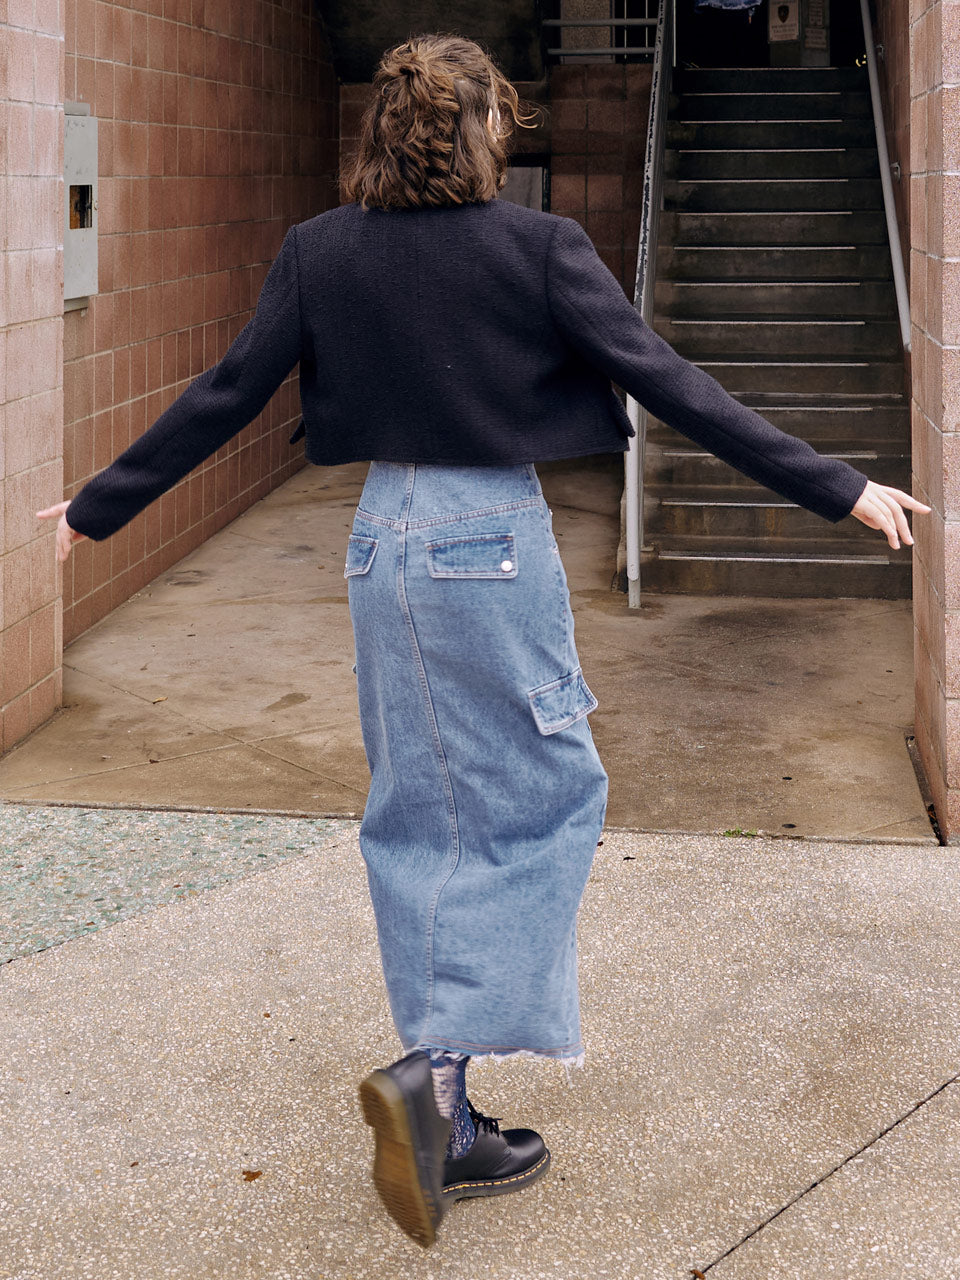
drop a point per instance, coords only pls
(487, 795)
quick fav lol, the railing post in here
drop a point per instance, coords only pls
(883, 156)
(663, 61)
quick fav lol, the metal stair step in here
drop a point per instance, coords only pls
(691, 165)
(772, 262)
(746, 297)
(786, 195)
(781, 134)
(841, 423)
(756, 518)
(810, 228)
(684, 471)
(828, 573)
(769, 79)
(771, 335)
(803, 106)
(773, 274)
(747, 378)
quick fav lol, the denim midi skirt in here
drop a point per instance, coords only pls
(487, 795)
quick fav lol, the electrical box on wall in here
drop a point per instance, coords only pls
(80, 264)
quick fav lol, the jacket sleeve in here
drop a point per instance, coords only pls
(596, 318)
(215, 407)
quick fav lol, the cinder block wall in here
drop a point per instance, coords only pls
(218, 129)
(598, 134)
(935, 314)
(31, 335)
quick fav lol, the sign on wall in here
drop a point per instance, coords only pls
(784, 20)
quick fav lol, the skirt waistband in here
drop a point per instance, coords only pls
(401, 493)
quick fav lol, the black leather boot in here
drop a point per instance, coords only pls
(411, 1141)
(496, 1163)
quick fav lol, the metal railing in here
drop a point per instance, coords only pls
(889, 207)
(623, 25)
(664, 58)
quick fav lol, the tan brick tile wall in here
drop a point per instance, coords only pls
(934, 61)
(31, 330)
(598, 117)
(218, 129)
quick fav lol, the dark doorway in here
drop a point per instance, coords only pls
(846, 33)
(722, 37)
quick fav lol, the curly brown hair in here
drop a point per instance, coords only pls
(426, 138)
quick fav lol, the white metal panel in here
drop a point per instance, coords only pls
(80, 258)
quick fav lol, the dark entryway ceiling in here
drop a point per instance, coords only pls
(360, 30)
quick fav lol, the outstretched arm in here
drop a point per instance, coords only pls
(215, 407)
(597, 319)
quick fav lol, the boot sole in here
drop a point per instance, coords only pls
(498, 1186)
(396, 1174)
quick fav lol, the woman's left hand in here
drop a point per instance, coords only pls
(881, 507)
(66, 536)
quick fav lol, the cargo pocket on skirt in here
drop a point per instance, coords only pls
(360, 553)
(559, 704)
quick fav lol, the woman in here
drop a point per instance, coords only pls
(455, 339)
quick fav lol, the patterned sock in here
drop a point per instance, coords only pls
(449, 1073)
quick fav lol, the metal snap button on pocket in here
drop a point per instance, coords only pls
(506, 565)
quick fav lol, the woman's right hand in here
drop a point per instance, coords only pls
(882, 507)
(66, 536)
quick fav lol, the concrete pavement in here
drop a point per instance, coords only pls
(226, 684)
(770, 1088)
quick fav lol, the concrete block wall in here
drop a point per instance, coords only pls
(31, 345)
(935, 314)
(598, 134)
(218, 129)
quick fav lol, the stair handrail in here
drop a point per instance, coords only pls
(663, 62)
(883, 155)
(626, 25)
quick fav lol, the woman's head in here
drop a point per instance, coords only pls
(436, 131)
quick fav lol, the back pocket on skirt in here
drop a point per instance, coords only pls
(480, 555)
(360, 553)
(560, 703)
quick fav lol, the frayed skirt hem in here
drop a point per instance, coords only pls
(569, 1061)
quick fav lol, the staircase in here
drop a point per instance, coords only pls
(774, 275)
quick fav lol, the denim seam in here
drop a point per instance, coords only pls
(453, 518)
(566, 638)
(441, 757)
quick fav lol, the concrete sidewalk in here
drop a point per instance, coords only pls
(770, 1090)
(226, 683)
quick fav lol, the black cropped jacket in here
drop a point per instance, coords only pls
(481, 334)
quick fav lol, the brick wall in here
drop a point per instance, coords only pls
(598, 133)
(218, 129)
(31, 334)
(935, 314)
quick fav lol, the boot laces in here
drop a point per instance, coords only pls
(489, 1124)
